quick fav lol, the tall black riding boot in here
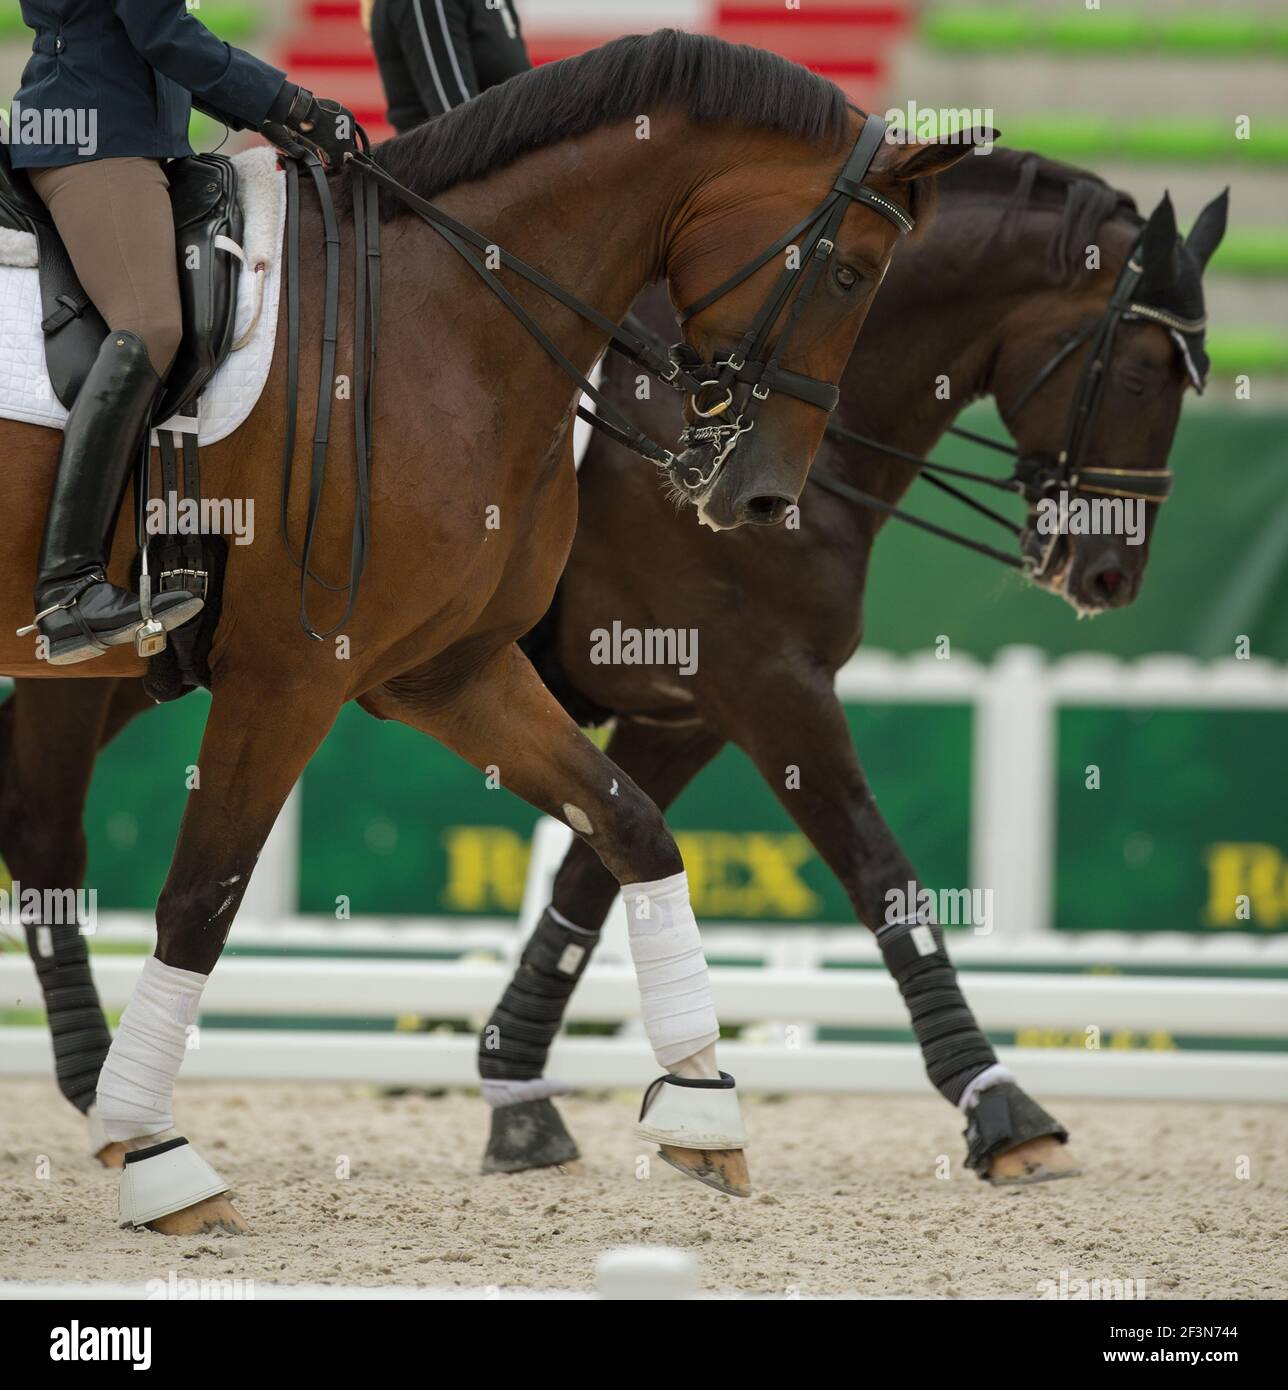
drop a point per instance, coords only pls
(77, 610)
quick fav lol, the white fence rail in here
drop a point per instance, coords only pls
(433, 1060)
(837, 998)
(800, 999)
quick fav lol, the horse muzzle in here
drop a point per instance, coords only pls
(705, 448)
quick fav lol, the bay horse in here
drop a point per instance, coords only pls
(674, 157)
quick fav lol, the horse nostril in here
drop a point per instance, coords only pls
(1109, 580)
(765, 511)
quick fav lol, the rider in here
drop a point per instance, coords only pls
(436, 54)
(142, 64)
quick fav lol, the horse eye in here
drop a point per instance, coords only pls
(846, 278)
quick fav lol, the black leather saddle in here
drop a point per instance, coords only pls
(207, 220)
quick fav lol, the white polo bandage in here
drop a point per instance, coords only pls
(675, 987)
(136, 1085)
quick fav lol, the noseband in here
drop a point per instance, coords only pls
(1037, 476)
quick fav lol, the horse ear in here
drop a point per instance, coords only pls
(1208, 229)
(1160, 251)
(907, 160)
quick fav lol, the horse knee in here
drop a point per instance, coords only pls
(632, 839)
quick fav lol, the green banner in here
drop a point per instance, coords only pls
(1218, 564)
(418, 831)
(1172, 820)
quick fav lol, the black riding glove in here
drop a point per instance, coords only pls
(326, 126)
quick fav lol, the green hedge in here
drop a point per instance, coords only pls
(1253, 251)
(1081, 138)
(232, 21)
(1251, 350)
(1002, 29)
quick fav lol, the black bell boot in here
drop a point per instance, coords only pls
(77, 610)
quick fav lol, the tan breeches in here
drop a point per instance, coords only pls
(115, 220)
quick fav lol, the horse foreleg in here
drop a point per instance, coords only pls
(253, 751)
(503, 720)
(527, 1130)
(1010, 1139)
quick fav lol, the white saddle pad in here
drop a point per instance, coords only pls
(25, 390)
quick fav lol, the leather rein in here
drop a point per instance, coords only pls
(710, 385)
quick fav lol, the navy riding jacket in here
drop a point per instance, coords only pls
(111, 79)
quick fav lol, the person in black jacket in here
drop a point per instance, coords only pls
(435, 54)
(105, 100)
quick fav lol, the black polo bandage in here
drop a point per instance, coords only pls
(954, 1049)
(516, 1041)
(76, 1023)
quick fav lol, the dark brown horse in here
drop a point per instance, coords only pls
(673, 157)
(997, 289)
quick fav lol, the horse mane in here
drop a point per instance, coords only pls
(1025, 181)
(711, 79)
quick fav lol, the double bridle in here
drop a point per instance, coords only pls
(752, 363)
(1036, 477)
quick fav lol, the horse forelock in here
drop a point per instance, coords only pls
(712, 80)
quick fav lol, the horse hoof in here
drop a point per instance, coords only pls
(529, 1134)
(112, 1155)
(168, 1187)
(214, 1214)
(723, 1169)
(1036, 1160)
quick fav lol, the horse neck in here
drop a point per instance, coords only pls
(593, 213)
